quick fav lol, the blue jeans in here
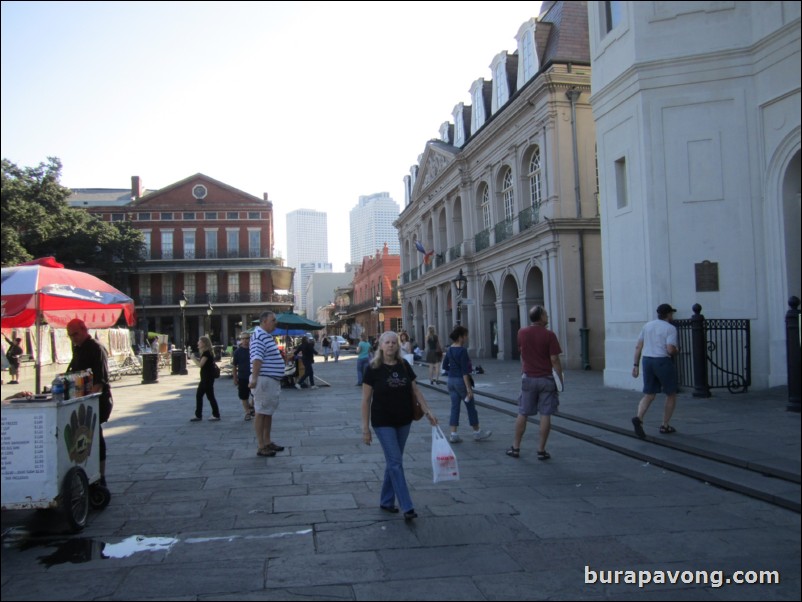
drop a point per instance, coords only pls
(393, 439)
(361, 364)
(458, 391)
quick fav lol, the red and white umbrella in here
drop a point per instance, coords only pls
(43, 290)
(45, 287)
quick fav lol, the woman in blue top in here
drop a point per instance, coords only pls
(362, 358)
(456, 364)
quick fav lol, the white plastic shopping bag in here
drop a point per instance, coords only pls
(444, 462)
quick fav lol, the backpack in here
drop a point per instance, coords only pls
(216, 370)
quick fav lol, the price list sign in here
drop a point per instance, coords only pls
(23, 443)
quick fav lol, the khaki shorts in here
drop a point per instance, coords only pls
(266, 395)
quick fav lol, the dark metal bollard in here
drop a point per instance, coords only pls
(179, 362)
(150, 368)
(792, 355)
(699, 353)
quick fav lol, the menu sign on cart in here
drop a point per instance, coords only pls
(23, 443)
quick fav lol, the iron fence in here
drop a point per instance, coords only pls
(727, 348)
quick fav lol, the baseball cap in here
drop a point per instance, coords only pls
(664, 308)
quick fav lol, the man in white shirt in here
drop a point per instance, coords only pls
(335, 348)
(658, 345)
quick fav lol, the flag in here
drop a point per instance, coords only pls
(420, 247)
(427, 257)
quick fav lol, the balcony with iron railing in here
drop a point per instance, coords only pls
(172, 254)
(215, 298)
(482, 240)
(529, 217)
(503, 230)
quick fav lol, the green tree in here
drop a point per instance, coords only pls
(37, 221)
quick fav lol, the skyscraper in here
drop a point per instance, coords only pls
(372, 226)
(307, 242)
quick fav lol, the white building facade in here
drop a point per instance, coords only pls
(508, 196)
(371, 223)
(307, 242)
(697, 108)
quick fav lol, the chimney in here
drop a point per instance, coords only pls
(136, 188)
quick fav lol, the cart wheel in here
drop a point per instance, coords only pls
(75, 498)
(99, 496)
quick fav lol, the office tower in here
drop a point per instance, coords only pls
(372, 226)
(307, 242)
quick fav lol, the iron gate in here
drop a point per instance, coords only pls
(728, 350)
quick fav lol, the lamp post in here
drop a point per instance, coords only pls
(460, 282)
(182, 303)
(181, 368)
(209, 311)
(378, 316)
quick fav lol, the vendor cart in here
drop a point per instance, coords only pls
(50, 456)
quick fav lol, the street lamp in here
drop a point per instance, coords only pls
(182, 303)
(460, 282)
(209, 311)
(378, 316)
(182, 368)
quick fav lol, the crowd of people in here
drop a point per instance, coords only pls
(385, 371)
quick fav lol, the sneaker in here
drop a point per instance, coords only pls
(297, 386)
(313, 387)
(455, 438)
(214, 419)
(248, 417)
(481, 434)
(195, 419)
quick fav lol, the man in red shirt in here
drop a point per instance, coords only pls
(540, 354)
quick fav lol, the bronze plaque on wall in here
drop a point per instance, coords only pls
(706, 277)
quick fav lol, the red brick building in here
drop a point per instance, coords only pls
(375, 306)
(206, 240)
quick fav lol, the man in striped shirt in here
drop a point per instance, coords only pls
(267, 369)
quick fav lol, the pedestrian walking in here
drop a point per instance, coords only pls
(326, 345)
(267, 370)
(540, 360)
(388, 391)
(206, 384)
(362, 357)
(335, 348)
(434, 355)
(307, 352)
(457, 363)
(657, 343)
(13, 354)
(241, 373)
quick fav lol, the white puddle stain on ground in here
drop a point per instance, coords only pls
(80, 550)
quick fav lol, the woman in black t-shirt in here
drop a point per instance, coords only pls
(388, 388)
(206, 385)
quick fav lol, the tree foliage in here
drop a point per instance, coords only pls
(37, 221)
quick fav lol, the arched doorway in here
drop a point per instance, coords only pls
(511, 320)
(489, 324)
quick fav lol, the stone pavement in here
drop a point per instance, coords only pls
(196, 515)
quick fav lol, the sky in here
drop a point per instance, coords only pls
(313, 103)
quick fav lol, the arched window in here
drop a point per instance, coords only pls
(485, 196)
(508, 194)
(535, 180)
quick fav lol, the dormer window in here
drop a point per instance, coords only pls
(459, 124)
(479, 113)
(527, 62)
(501, 87)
